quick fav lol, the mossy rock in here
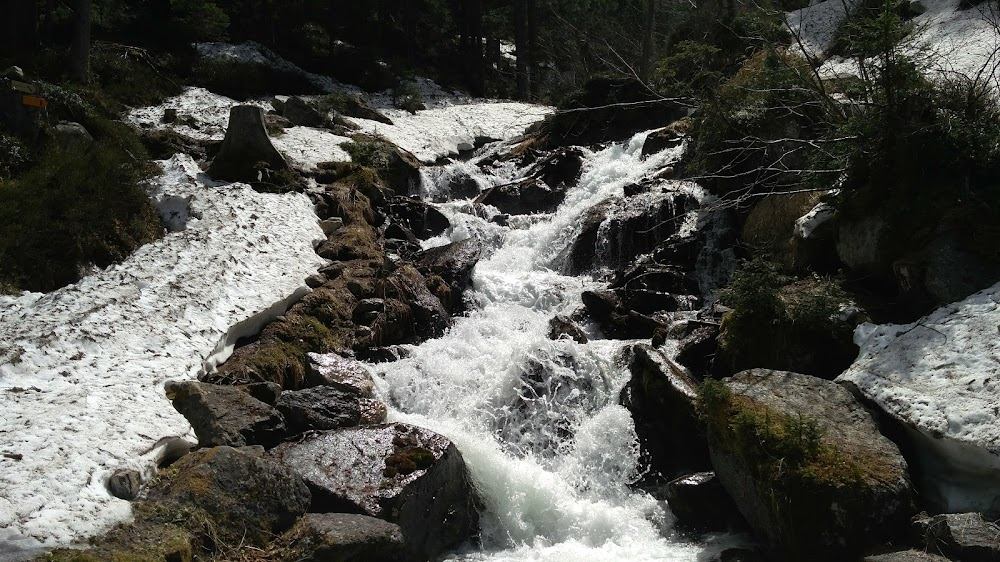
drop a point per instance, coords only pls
(141, 541)
(806, 464)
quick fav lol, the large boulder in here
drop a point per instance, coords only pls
(661, 399)
(225, 415)
(300, 112)
(407, 475)
(324, 537)
(452, 262)
(806, 464)
(327, 407)
(631, 227)
(936, 379)
(420, 218)
(523, 197)
(247, 497)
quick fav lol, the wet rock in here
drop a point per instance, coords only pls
(697, 350)
(524, 197)
(224, 415)
(849, 488)
(452, 262)
(386, 354)
(614, 233)
(402, 171)
(125, 484)
(662, 139)
(564, 327)
(411, 313)
(322, 537)
(661, 398)
(339, 372)
(249, 498)
(560, 168)
(420, 218)
(616, 321)
(655, 277)
(302, 113)
(597, 114)
(403, 474)
(701, 503)
(965, 536)
(327, 407)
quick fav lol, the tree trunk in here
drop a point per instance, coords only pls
(534, 74)
(521, 48)
(79, 52)
(19, 28)
(648, 23)
(246, 153)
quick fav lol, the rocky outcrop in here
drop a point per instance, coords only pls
(661, 398)
(406, 475)
(936, 379)
(617, 320)
(563, 327)
(247, 497)
(806, 465)
(452, 262)
(327, 407)
(905, 556)
(302, 113)
(224, 415)
(322, 537)
(964, 536)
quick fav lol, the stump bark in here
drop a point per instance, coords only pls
(246, 150)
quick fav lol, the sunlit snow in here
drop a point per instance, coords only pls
(82, 368)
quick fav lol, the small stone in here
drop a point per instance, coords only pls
(125, 483)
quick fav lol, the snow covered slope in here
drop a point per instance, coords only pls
(946, 40)
(940, 377)
(82, 368)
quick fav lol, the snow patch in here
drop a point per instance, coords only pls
(941, 377)
(806, 225)
(82, 368)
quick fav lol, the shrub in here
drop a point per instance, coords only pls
(692, 69)
(75, 208)
(779, 322)
(369, 152)
(408, 96)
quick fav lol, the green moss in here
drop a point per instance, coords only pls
(76, 207)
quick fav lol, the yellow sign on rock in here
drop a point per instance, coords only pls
(34, 101)
(22, 87)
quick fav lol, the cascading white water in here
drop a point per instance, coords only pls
(537, 420)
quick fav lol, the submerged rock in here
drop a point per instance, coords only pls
(839, 486)
(322, 537)
(564, 327)
(407, 475)
(225, 415)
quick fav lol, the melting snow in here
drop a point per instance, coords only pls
(946, 40)
(941, 376)
(82, 368)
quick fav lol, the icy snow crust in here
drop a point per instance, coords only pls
(82, 368)
(941, 377)
(946, 40)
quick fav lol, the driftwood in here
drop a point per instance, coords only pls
(247, 150)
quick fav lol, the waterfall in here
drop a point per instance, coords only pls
(538, 421)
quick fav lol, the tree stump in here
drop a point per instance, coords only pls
(246, 150)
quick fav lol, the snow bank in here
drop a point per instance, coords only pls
(204, 115)
(940, 376)
(82, 368)
(946, 40)
(449, 129)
